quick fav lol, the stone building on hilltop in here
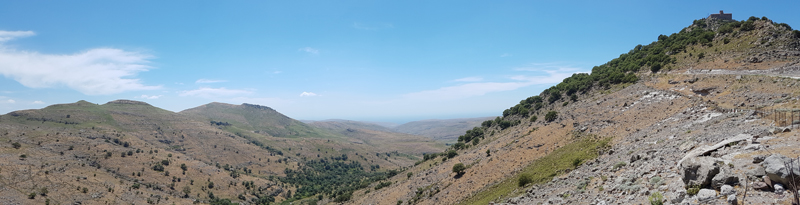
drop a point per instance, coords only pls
(721, 16)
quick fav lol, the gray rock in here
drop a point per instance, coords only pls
(725, 176)
(635, 157)
(753, 147)
(759, 159)
(760, 185)
(699, 171)
(757, 172)
(706, 195)
(678, 196)
(777, 171)
(767, 181)
(779, 189)
(726, 190)
(732, 199)
(687, 146)
(555, 200)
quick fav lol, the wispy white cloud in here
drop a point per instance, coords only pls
(209, 81)
(469, 79)
(372, 27)
(9, 35)
(546, 74)
(548, 67)
(505, 55)
(310, 50)
(466, 90)
(151, 97)
(10, 101)
(99, 71)
(277, 72)
(213, 92)
(308, 94)
(37, 102)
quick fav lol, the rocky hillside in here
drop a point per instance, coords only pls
(702, 116)
(129, 152)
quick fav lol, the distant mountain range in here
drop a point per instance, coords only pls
(445, 130)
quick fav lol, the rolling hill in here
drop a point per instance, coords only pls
(131, 152)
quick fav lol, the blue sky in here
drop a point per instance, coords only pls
(360, 60)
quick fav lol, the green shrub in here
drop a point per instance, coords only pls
(451, 154)
(382, 184)
(552, 115)
(459, 168)
(459, 145)
(576, 162)
(692, 190)
(655, 181)
(656, 199)
(158, 167)
(748, 26)
(524, 179)
(16, 145)
(655, 67)
(534, 118)
(619, 164)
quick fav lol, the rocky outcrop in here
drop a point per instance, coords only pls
(778, 172)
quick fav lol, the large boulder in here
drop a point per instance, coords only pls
(725, 176)
(699, 171)
(778, 172)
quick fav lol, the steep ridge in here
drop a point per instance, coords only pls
(615, 136)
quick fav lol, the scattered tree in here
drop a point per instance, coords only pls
(459, 168)
(451, 154)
